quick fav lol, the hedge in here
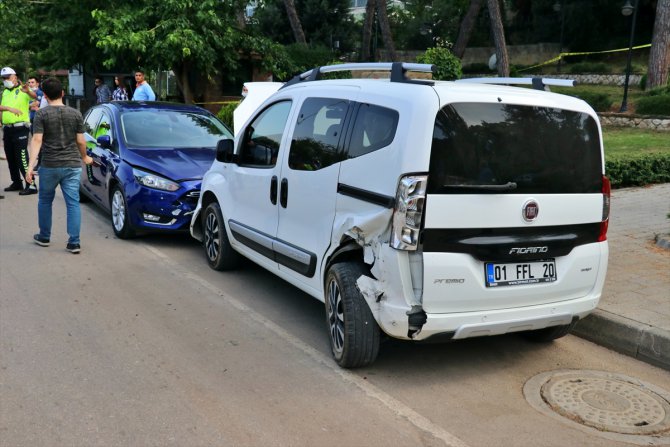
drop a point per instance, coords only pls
(226, 113)
(638, 171)
(653, 105)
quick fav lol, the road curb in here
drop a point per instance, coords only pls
(630, 337)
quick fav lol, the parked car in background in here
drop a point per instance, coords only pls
(148, 162)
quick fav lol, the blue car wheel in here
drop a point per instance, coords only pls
(120, 220)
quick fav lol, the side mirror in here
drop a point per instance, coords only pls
(105, 141)
(224, 151)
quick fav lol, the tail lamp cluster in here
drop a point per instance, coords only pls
(410, 201)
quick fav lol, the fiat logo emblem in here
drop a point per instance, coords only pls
(530, 211)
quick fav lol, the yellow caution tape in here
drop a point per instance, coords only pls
(584, 53)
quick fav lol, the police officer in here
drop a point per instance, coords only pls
(16, 129)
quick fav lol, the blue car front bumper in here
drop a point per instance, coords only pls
(154, 209)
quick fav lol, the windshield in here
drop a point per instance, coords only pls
(493, 148)
(171, 128)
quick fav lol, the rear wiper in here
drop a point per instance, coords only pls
(506, 187)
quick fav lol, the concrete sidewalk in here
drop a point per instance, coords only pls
(633, 316)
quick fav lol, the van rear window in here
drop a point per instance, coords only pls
(478, 147)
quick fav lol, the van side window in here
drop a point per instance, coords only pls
(374, 129)
(317, 134)
(262, 138)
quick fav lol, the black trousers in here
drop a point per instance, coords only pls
(16, 151)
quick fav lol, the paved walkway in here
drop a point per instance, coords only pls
(634, 312)
(633, 316)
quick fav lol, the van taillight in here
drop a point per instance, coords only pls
(408, 212)
(606, 210)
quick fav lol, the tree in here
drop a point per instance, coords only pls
(659, 56)
(293, 19)
(467, 24)
(193, 39)
(387, 37)
(498, 38)
(377, 8)
(368, 23)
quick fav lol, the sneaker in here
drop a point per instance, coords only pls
(73, 248)
(14, 187)
(39, 240)
(28, 191)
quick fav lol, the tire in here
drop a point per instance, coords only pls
(549, 334)
(220, 254)
(353, 332)
(119, 214)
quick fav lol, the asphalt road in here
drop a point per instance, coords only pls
(140, 343)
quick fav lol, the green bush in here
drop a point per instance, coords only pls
(226, 113)
(653, 105)
(638, 171)
(643, 82)
(600, 102)
(447, 66)
(589, 67)
(659, 91)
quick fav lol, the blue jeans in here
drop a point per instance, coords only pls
(68, 179)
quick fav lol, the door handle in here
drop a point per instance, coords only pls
(273, 190)
(283, 194)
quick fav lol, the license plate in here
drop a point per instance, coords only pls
(516, 274)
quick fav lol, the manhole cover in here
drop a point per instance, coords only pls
(606, 402)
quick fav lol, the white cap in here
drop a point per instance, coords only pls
(6, 71)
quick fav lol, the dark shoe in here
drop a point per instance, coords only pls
(39, 240)
(73, 248)
(14, 187)
(28, 191)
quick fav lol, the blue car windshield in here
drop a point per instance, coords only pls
(171, 128)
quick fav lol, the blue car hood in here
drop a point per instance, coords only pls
(173, 163)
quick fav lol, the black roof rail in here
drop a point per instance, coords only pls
(398, 71)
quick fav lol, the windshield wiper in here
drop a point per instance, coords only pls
(506, 187)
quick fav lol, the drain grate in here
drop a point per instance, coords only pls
(608, 404)
(613, 405)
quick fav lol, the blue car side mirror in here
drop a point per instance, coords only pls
(224, 151)
(104, 141)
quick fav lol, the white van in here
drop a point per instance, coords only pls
(416, 208)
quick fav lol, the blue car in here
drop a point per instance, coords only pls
(148, 162)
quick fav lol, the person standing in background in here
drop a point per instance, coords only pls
(120, 93)
(34, 85)
(16, 129)
(143, 91)
(102, 92)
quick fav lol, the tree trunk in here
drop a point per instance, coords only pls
(181, 74)
(467, 24)
(367, 30)
(382, 15)
(659, 56)
(498, 38)
(293, 19)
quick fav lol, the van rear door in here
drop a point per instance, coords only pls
(514, 207)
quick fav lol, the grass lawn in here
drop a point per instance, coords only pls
(626, 142)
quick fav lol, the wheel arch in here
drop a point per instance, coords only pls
(347, 251)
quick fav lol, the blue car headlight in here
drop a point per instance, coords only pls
(154, 181)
